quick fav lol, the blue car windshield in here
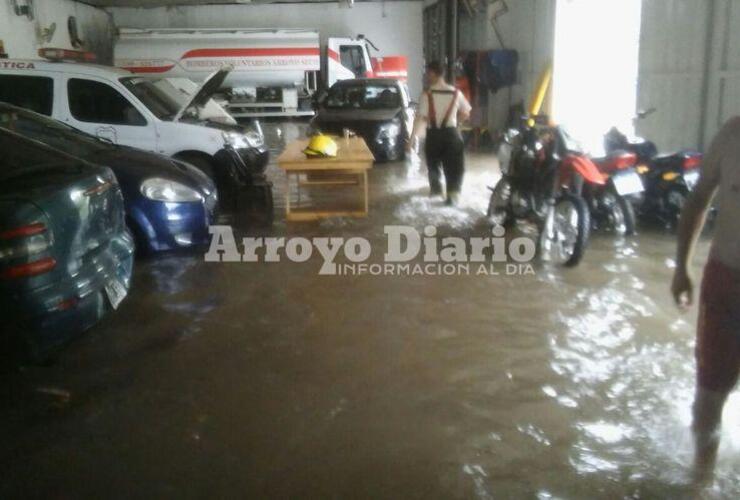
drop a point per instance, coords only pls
(363, 96)
(24, 160)
(19, 154)
(51, 132)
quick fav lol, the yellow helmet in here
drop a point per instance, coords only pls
(321, 145)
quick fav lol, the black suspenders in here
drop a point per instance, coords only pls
(433, 111)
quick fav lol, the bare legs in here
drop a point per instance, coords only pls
(708, 407)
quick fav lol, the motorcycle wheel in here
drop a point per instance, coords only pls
(566, 230)
(674, 201)
(498, 204)
(619, 213)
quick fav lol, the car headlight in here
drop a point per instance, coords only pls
(389, 130)
(251, 137)
(255, 139)
(236, 140)
(165, 190)
(256, 135)
(248, 139)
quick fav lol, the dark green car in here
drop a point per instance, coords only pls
(65, 253)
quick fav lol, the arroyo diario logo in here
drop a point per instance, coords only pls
(407, 251)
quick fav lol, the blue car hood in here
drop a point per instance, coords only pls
(133, 166)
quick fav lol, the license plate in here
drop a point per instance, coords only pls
(691, 178)
(116, 292)
(628, 183)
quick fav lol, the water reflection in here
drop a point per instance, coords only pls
(620, 350)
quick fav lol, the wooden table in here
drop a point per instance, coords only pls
(348, 168)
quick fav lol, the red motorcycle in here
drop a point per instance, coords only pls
(543, 175)
(611, 203)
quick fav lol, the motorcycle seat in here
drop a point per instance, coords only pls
(665, 156)
(618, 160)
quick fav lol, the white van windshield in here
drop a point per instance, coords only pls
(166, 96)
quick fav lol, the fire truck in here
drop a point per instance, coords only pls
(275, 72)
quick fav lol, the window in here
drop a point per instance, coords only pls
(96, 102)
(155, 96)
(165, 96)
(20, 154)
(30, 92)
(352, 58)
(53, 133)
(366, 96)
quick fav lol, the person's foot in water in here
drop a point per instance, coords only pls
(453, 198)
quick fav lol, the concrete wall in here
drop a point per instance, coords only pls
(689, 70)
(672, 67)
(20, 34)
(529, 28)
(689, 63)
(395, 27)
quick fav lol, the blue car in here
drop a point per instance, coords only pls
(169, 204)
(65, 253)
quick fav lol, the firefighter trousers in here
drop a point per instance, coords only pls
(444, 150)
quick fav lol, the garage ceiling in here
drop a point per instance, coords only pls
(161, 3)
(158, 3)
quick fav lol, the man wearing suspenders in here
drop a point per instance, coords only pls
(440, 108)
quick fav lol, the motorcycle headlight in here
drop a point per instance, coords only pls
(511, 135)
(158, 189)
(389, 130)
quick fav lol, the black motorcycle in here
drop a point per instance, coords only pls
(668, 179)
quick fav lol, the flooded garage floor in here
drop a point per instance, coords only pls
(255, 380)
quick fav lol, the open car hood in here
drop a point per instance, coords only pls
(209, 87)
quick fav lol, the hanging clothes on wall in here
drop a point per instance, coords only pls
(499, 69)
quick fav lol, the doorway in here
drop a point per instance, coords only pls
(595, 76)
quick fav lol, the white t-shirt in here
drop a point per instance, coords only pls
(721, 167)
(443, 94)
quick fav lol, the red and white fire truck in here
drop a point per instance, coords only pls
(275, 72)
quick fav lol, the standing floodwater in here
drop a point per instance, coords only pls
(268, 380)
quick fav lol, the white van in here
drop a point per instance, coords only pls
(154, 114)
